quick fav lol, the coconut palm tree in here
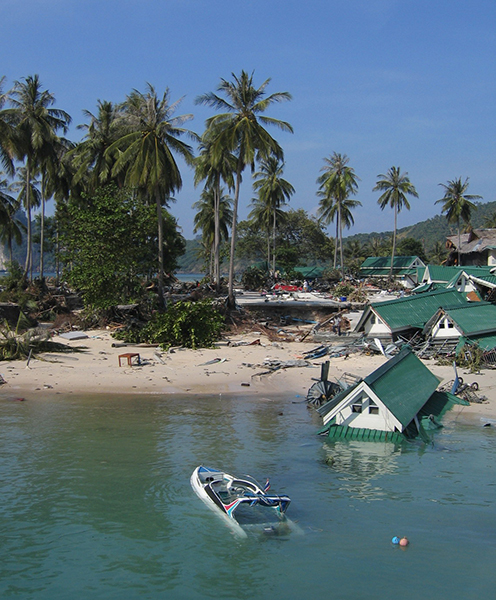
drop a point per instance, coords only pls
(36, 127)
(90, 159)
(6, 133)
(213, 217)
(11, 228)
(273, 192)
(395, 186)
(211, 168)
(457, 204)
(240, 128)
(336, 184)
(144, 153)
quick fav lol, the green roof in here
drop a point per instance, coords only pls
(414, 311)
(404, 384)
(474, 318)
(485, 342)
(382, 262)
(381, 266)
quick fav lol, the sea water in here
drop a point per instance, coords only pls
(96, 503)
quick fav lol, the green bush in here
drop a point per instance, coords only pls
(189, 324)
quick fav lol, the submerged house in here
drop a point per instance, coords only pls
(404, 268)
(405, 316)
(398, 401)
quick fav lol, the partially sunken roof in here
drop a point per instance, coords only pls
(404, 384)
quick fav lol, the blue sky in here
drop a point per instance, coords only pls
(409, 83)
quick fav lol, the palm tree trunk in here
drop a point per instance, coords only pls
(394, 242)
(42, 226)
(231, 299)
(341, 241)
(268, 251)
(459, 240)
(160, 249)
(274, 246)
(28, 211)
(336, 244)
(217, 235)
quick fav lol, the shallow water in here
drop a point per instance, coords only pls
(95, 502)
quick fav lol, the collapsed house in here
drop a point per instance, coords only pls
(470, 324)
(404, 317)
(398, 401)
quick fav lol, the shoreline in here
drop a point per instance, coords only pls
(235, 366)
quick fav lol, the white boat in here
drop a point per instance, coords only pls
(225, 493)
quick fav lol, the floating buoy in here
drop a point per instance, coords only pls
(404, 541)
(395, 540)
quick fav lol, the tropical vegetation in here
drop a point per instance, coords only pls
(112, 233)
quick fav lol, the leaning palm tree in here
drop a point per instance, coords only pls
(395, 186)
(273, 192)
(144, 153)
(211, 168)
(36, 126)
(336, 184)
(457, 204)
(240, 128)
(213, 217)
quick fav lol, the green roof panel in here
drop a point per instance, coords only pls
(404, 384)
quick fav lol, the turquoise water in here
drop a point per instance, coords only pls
(95, 502)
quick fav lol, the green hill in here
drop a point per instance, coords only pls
(432, 230)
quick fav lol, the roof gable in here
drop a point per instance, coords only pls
(474, 319)
(413, 311)
(404, 384)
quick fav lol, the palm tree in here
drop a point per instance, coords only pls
(90, 159)
(213, 217)
(212, 168)
(144, 153)
(438, 254)
(273, 192)
(10, 227)
(396, 186)
(336, 184)
(490, 221)
(36, 125)
(457, 204)
(6, 133)
(240, 129)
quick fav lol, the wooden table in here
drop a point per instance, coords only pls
(129, 357)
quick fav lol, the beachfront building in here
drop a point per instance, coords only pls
(474, 322)
(403, 317)
(404, 268)
(477, 248)
(397, 401)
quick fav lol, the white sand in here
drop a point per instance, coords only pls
(97, 370)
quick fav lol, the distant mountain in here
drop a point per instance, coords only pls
(432, 230)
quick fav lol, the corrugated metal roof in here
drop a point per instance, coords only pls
(378, 262)
(474, 319)
(404, 384)
(486, 342)
(415, 311)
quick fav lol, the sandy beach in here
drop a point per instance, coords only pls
(236, 365)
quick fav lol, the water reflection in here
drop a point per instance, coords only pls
(360, 465)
